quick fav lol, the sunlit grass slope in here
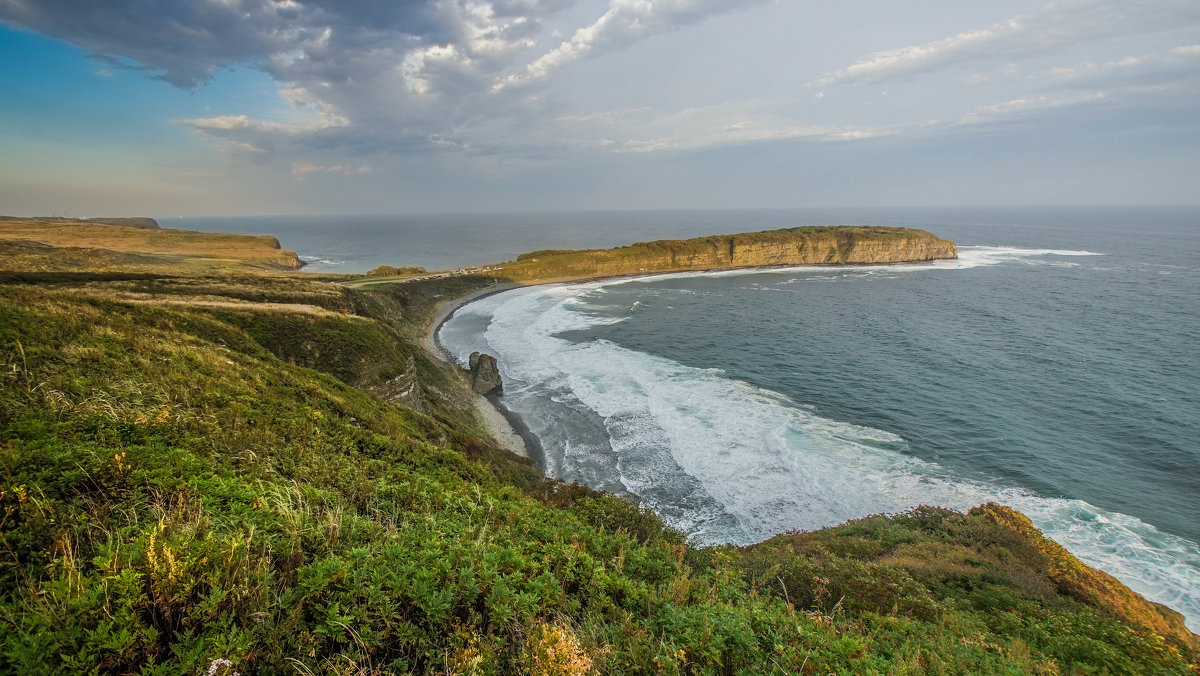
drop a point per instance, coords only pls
(192, 470)
(55, 244)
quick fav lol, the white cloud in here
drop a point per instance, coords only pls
(1027, 105)
(1087, 67)
(326, 117)
(625, 22)
(732, 123)
(1061, 24)
(474, 84)
(301, 170)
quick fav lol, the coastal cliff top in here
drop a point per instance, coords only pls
(142, 222)
(777, 236)
(805, 245)
(131, 244)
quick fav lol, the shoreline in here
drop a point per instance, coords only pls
(505, 426)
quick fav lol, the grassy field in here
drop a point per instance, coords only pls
(195, 478)
(33, 244)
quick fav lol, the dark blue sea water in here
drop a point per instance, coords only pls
(1054, 367)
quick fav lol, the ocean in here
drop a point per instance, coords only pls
(1055, 367)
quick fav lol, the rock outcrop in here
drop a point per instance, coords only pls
(402, 389)
(485, 374)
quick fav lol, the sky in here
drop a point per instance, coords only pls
(246, 107)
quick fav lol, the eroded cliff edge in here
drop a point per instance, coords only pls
(810, 245)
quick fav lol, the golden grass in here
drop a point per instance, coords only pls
(116, 246)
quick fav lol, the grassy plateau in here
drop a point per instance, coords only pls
(212, 468)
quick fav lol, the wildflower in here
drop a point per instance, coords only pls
(221, 663)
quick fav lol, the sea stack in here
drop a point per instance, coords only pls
(485, 374)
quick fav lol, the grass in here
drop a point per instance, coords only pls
(67, 245)
(186, 486)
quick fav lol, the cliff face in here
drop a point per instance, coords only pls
(796, 246)
(834, 250)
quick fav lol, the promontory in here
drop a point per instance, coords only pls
(809, 245)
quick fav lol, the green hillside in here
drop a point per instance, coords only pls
(195, 478)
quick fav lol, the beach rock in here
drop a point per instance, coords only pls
(485, 374)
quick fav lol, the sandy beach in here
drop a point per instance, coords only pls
(496, 419)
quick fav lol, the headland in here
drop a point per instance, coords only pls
(132, 244)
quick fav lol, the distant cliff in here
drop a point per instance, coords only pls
(813, 245)
(138, 244)
(127, 222)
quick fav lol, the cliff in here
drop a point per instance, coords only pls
(814, 245)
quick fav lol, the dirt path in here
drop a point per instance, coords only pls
(301, 308)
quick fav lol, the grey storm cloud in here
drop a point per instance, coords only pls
(373, 75)
(188, 42)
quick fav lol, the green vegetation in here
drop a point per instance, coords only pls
(192, 470)
(396, 271)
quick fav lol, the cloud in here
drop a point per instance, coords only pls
(1173, 69)
(186, 43)
(326, 118)
(1026, 106)
(1088, 68)
(625, 22)
(477, 86)
(1062, 24)
(373, 75)
(643, 130)
(301, 170)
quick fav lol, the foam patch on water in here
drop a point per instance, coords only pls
(318, 260)
(978, 256)
(729, 462)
